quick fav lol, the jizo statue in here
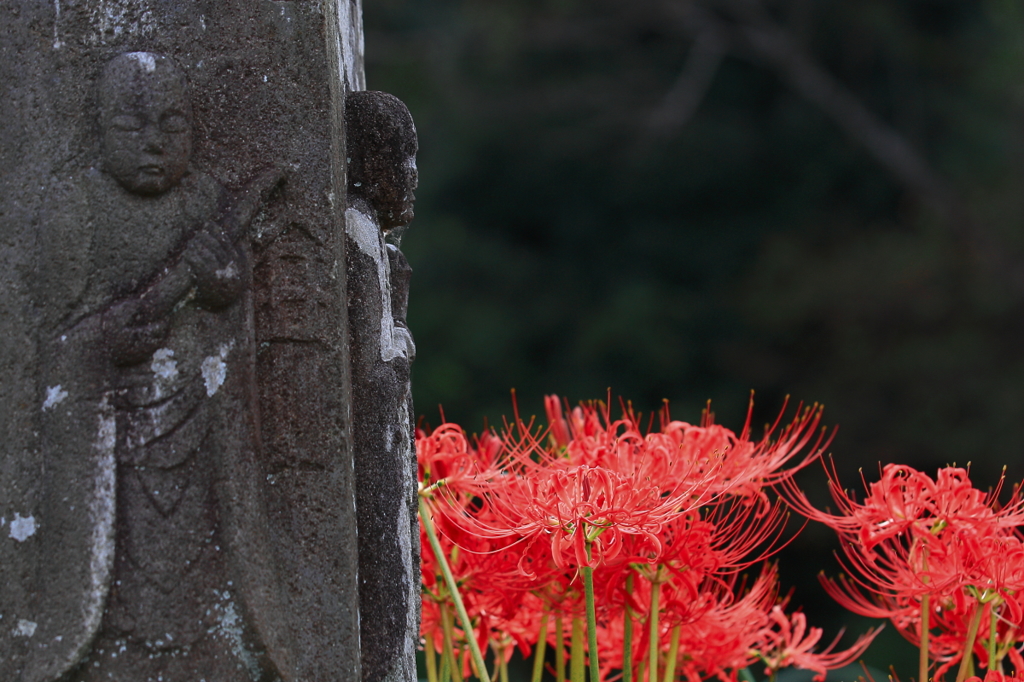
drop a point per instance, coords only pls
(382, 177)
(149, 301)
(186, 517)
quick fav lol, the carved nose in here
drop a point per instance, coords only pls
(153, 143)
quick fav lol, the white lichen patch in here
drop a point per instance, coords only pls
(112, 19)
(57, 43)
(229, 626)
(163, 365)
(145, 60)
(227, 272)
(370, 240)
(55, 395)
(23, 527)
(101, 520)
(25, 628)
(215, 371)
(350, 45)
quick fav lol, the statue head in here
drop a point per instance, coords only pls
(146, 122)
(381, 148)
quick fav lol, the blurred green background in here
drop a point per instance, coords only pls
(692, 199)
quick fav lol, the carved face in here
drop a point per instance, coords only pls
(395, 205)
(146, 122)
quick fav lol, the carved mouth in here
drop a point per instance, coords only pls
(151, 169)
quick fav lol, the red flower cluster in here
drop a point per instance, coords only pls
(996, 676)
(664, 520)
(940, 559)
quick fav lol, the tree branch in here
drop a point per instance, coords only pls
(780, 50)
(688, 91)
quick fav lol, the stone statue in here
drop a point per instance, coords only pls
(144, 278)
(177, 466)
(382, 176)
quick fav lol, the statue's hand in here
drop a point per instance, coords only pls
(128, 339)
(217, 267)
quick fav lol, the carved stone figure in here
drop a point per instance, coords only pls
(382, 176)
(178, 376)
(144, 273)
(177, 498)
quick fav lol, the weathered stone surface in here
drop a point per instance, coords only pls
(176, 486)
(382, 177)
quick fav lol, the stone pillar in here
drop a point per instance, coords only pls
(177, 479)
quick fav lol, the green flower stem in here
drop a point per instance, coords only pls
(460, 608)
(446, 668)
(922, 659)
(431, 658)
(502, 665)
(559, 650)
(576, 667)
(926, 614)
(673, 653)
(454, 667)
(992, 665)
(968, 655)
(592, 655)
(540, 649)
(627, 634)
(652, 654)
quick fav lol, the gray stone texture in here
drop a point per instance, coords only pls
(177, 493)
(382, 177)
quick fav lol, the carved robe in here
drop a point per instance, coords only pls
(382, 348)
(158, 427)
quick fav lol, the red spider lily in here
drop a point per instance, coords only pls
(917, 541)
(908, 500)
(746, 467)
(997, 676)
(590, 438)
(788, 641)
(607, 486)
(473, 572)
(707, 453)
(903, 611)
(717, 629)
(913, 535)
(720, 633)
(724, 639)
(446, 457)
(585, 513)
(677, 511)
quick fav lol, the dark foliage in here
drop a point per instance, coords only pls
(687, 200)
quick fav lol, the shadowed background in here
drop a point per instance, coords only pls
(690, 199)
